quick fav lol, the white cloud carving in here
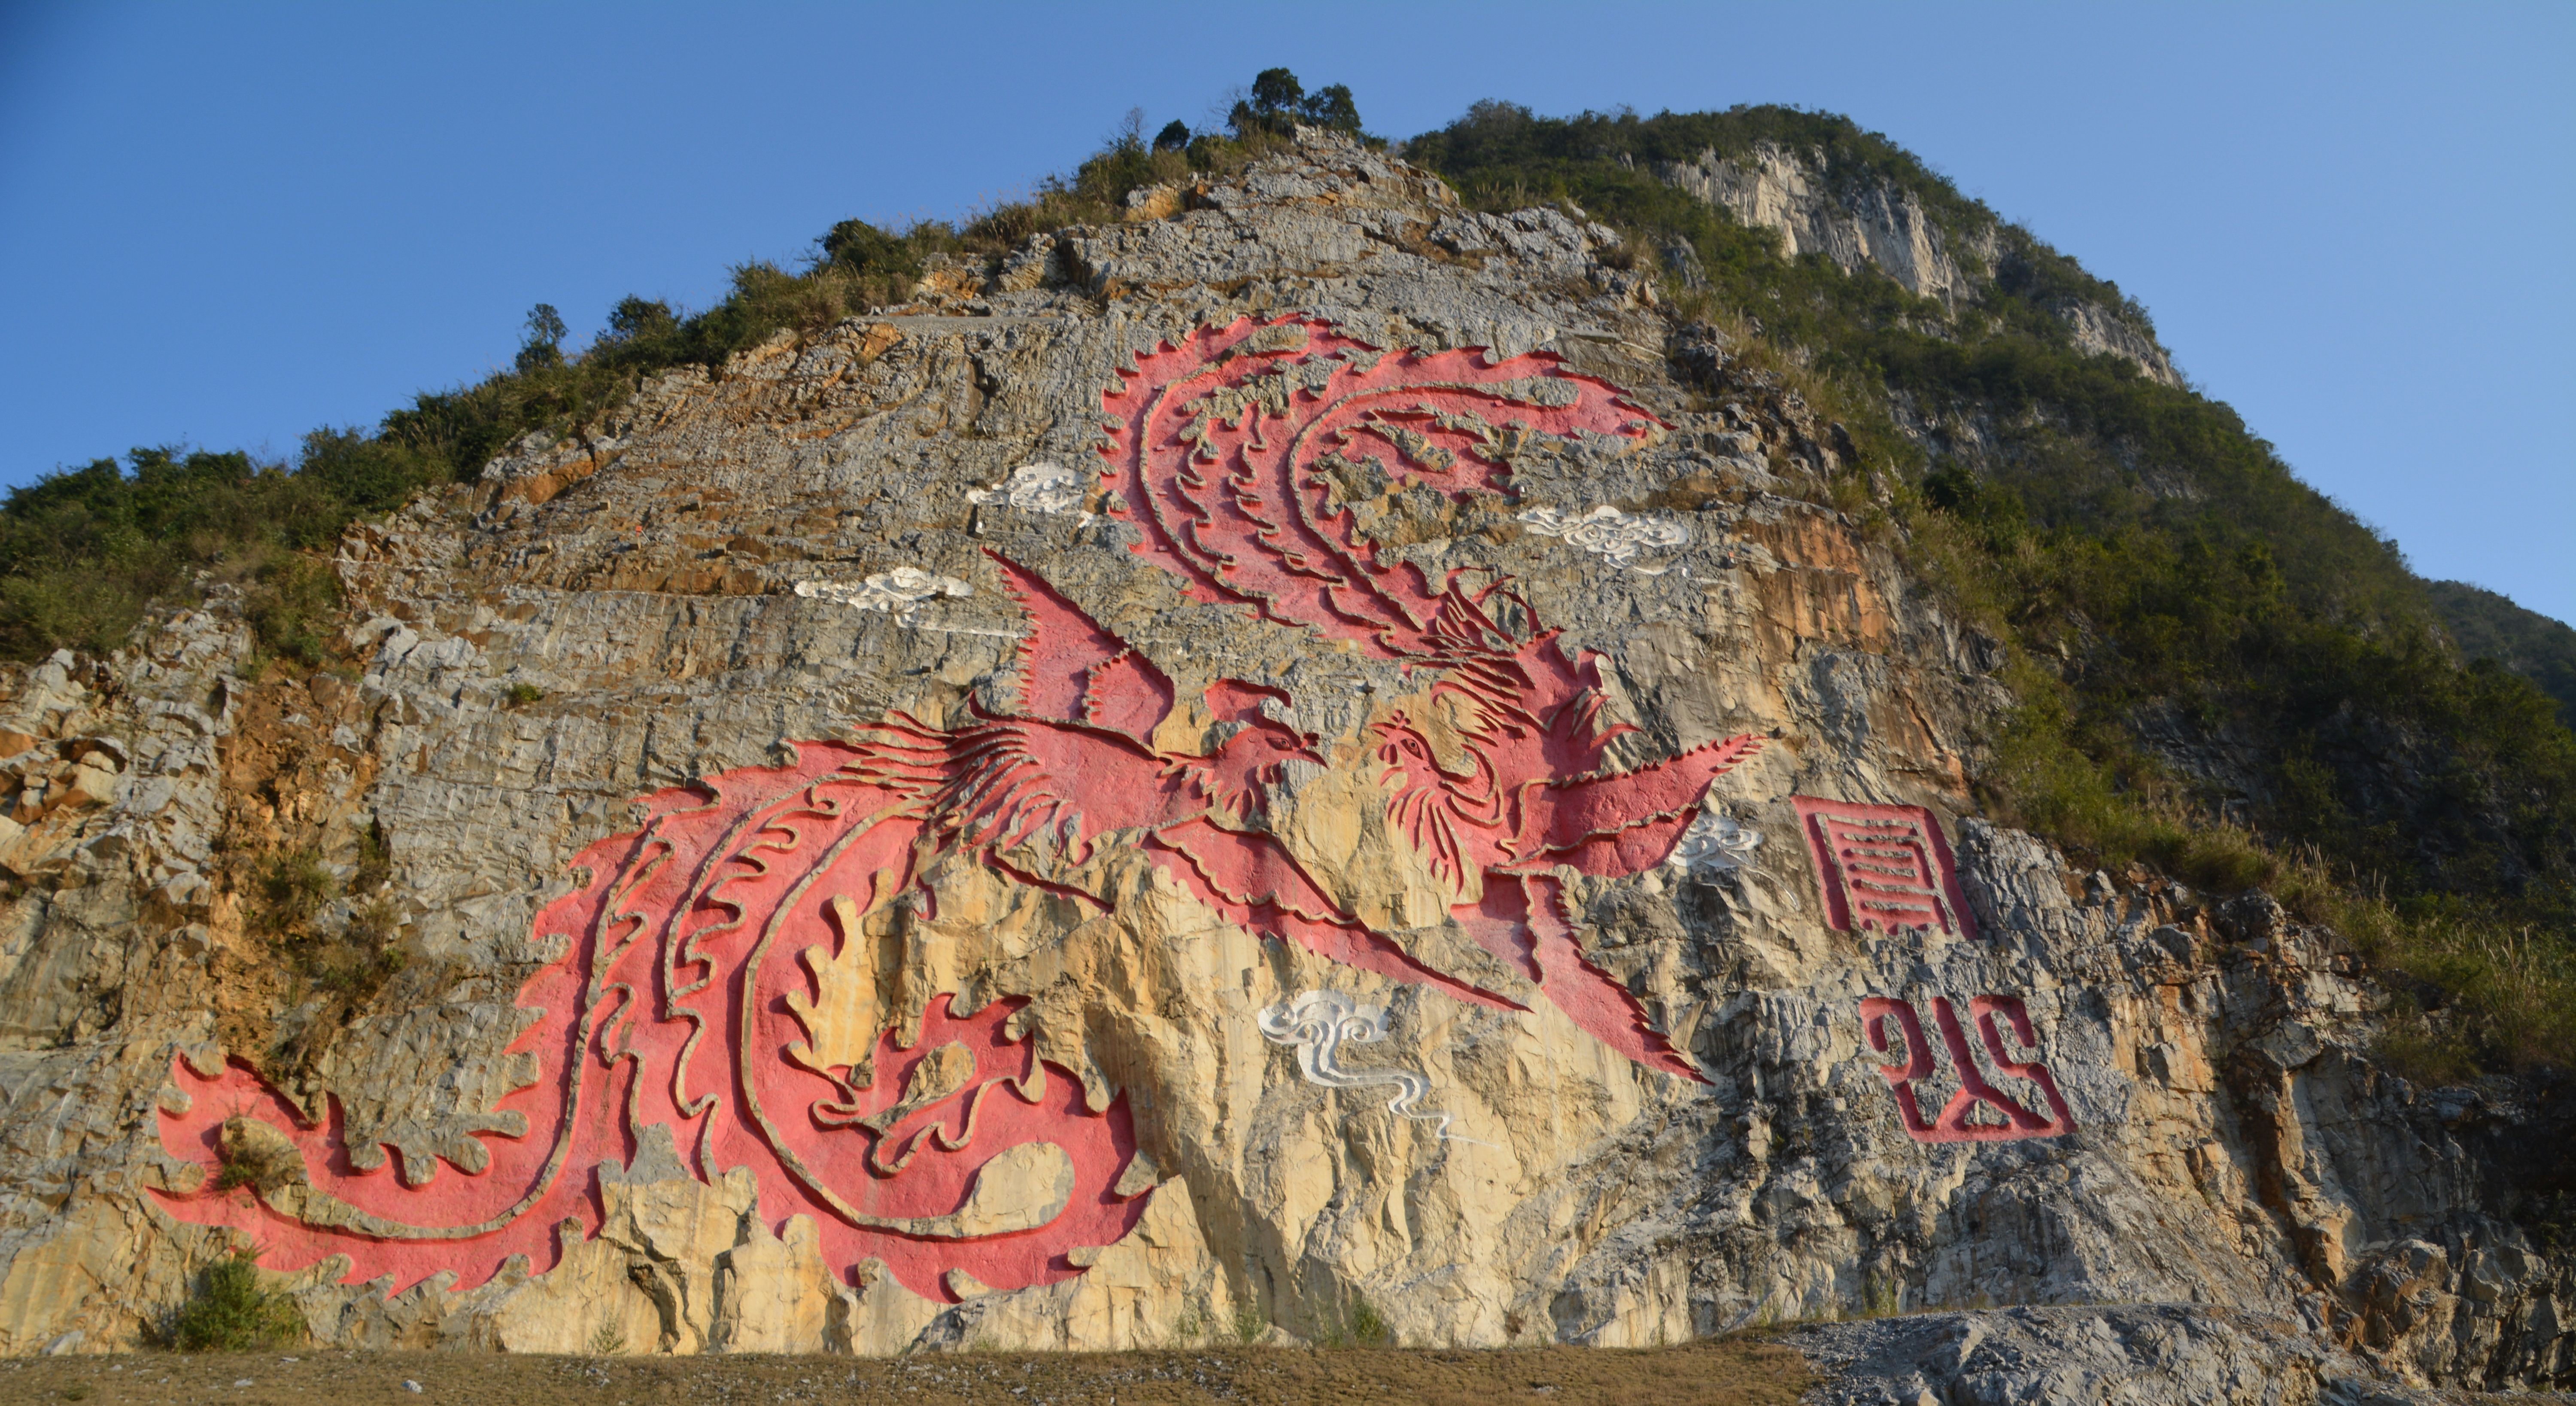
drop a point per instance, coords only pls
(1041, 487)
(1606, 531)
(899, 592)
(1714, 845)
(1319, 1022)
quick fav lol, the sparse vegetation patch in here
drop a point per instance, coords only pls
(230, 1312)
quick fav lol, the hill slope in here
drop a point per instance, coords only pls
(2196, 634)
(2489, 626)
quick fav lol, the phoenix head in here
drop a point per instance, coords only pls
(1237, 774)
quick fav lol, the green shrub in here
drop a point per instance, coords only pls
(289, 889)
(857, 247)
(1368, 1327)
(1355, 1323)
(1278, 102)
(354, 961)
(230, 1312)
(1097, 191)
(543, 348)
(84, 552)
(292, 605)
(375, 860)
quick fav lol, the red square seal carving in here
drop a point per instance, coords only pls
(1885, 867)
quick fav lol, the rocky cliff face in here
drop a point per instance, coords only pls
(1775, 188)
(1855, 220)
(1151, 795)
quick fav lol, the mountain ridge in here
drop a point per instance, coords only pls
(2489, 625)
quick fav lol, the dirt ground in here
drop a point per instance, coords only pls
(1738, 1372)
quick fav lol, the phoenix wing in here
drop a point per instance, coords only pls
(1617, 823)
(1011, 780)
(1073, 670)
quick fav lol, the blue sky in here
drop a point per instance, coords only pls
(226, 225)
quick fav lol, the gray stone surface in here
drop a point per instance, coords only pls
(2112, 1355)
(2136, 1355)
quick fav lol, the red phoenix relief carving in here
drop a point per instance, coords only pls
(1955, 1122)
(1885, 867)
(713, 985)
(712, 982)
(1225, 450)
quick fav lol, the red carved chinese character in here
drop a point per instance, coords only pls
(1953, 1124)
(1882, 866)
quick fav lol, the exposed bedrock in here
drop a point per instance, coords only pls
(1152, 795)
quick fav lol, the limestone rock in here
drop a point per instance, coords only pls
(1776, 188)
(774, 1293)
(1855, 220)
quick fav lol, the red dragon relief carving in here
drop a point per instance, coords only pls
(707, 985)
